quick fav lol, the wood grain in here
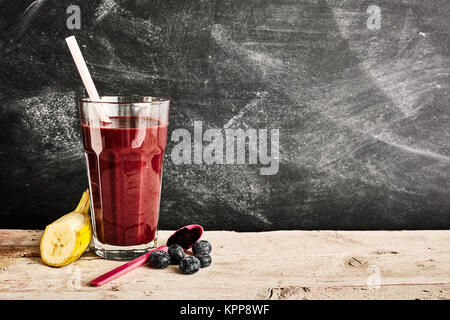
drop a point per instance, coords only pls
(265, 265)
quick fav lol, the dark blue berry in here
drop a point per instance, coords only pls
(201, 247)
(159, 259)
(205, 260)
(176, 253)
(189, 265)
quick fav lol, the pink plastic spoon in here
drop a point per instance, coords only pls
(185, 237)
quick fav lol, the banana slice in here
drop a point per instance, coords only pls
(75, 219)
(66, 239)
(58, 244)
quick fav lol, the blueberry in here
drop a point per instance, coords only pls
(201, 247)
(205, 260)
(159, 259)
(176, 253)
(189, 265)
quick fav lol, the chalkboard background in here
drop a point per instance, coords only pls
(362, 108)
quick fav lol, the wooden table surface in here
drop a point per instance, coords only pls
(263, 265)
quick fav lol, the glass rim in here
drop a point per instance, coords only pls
(129, 99)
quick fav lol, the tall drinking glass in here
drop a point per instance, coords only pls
(124, 163)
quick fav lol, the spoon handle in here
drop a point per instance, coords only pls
(131, 265)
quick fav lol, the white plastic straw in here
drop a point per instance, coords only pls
(86, 77)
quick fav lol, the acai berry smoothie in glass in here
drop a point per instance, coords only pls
(124, 162)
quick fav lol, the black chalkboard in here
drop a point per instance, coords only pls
(358, 90)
